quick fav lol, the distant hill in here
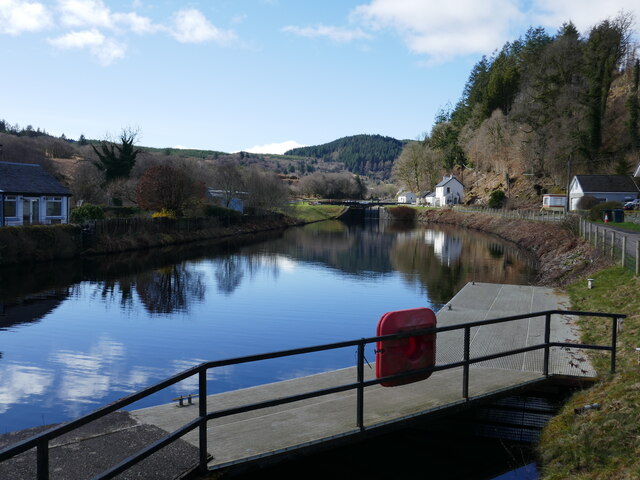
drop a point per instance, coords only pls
(370, 155)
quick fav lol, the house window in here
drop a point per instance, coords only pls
(10, 209)
(54, 206)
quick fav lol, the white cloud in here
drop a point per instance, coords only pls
(85, 13)
(583, 13)
(106, 50)
(136, 23)
(443, 30)
(18, 382)
(336, 34)
(191, 26)
(80, 39)
(92, 25)
(275, 148)
(18, 16)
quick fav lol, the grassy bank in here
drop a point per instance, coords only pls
(38, 243)
(308, 213)
(601, 444)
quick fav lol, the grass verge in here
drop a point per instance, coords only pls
(634, 227)
(604, 443)
(314, 213)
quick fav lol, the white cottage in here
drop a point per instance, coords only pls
(407, 197)
(555, 202)
(605, 188)
(450, 191)
(30, 196)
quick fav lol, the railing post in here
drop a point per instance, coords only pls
(637, 258)
(360, 397)
(202, 410)
(43, 460)
(465, 374)
(624, 251)
(614, 341)
(547, 339)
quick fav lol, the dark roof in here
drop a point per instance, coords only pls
(28, 179)
(607, 183)
(446, 180)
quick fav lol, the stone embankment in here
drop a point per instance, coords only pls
(561, 255)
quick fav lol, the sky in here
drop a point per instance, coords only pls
(255, 75)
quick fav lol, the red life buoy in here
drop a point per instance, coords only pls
(405, 354)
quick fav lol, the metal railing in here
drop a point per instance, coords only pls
(41, 440)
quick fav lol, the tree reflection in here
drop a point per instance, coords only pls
(443, 260)
(229, 273)
(170, 289)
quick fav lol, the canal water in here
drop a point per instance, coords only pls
(78, 334)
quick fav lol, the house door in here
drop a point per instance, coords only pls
(31, 211)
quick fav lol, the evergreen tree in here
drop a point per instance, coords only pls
(116, 161)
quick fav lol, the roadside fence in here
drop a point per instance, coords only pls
(622, 247)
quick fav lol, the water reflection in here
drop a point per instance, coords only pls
(19, 382)
(170, 289)
(79, 334)
(29, 308)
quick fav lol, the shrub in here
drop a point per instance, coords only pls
(597, 210)
(164, 213)
(217, 211)
(402, 213)
(587, 202)
(86, 212)
(497, 199)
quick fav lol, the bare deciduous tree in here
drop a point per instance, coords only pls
(418, 167)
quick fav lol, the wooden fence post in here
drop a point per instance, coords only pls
(624, 250)
(613, 243)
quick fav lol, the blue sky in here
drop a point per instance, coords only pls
(255, 75)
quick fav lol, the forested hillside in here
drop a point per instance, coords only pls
(369, 155)
(543, 107)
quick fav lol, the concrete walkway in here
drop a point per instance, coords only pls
(279, 429)
(253, 435)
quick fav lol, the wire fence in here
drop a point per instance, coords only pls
(534, 214)
(622, 247)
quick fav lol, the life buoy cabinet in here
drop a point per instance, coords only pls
(405, 354)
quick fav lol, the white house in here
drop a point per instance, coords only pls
(605, 188)
(30, 196)
(450, 191)
(407, 197)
